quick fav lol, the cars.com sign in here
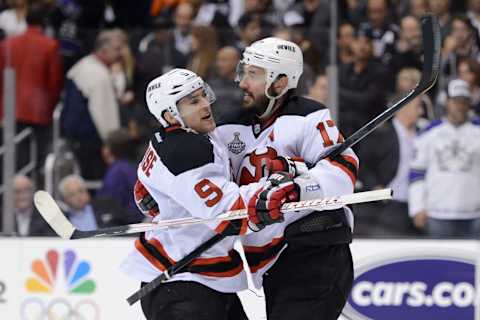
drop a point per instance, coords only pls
(414, 288)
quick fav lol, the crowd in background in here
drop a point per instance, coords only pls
(96, 57)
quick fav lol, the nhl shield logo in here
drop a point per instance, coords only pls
(236, 146)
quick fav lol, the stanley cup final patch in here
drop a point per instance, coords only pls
(236, 146)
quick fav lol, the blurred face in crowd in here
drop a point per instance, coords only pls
(439, 7)
(183, 17)
(76, 194)
(226, 62)
(377, 12)
(319, 90)
(196, 112)
(461, 33)
(411, 31)
(346, 36)
(466, 74)
(253, 82)
(23, 193)
(362, 48)
(457, 110)
(252, 32)
(311, 5)
(113, 50)
(407, 79)
(474, 5)
(418, 7)
(255, 5)
(410, 114)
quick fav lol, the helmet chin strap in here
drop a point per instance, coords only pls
(271, 103)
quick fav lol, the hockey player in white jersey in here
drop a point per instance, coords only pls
(188, 174)
(302, 260)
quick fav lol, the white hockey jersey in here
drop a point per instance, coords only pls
(301, 128)
(445, 173)
(189, 175)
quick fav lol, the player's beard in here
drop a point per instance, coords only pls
(260, 103)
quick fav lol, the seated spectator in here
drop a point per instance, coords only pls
(228, 93)
(91, 109)
(251, 27)
(346, 35)
(86, 213)
(214, 15)
(28, 221)
(12, 21)
(469, 71)
(386, 155)
(441, 8)
(418, 8)
(183, 19)
(444, 176)
(121, 173)
(407, 80)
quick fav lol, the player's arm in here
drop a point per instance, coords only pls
(331, 176)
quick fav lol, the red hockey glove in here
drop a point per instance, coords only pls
(264, 206)
(294, 166)
(145, 202)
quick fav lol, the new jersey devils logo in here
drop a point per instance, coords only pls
(256, 161)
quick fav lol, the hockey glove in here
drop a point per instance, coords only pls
(145, 202)
(294, 166)
(264, 207)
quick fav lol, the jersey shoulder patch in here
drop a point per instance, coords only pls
(181, 151)
(300, 106)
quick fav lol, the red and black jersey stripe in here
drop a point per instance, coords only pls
(226, 266)
(257, 257)
(348, 164)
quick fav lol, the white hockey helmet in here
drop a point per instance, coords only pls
(277, 57)
(164, 92)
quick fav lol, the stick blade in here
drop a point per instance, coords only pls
(52, 214)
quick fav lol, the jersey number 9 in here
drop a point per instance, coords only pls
(205, 188)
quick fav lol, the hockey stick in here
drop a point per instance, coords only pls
(167, 274)
(50, 211)
(431, 38)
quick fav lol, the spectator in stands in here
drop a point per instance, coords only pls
(407, 51)
(346, 35)
(473, 14)
(251, 27)
(156, 55)
(182, 36)
(86, 213)
(386, 156)
(319, 90)
(121, 174)
(266, 9)
(204, 49)
(407, 80)
(362, 87)
(28, 221)
(460, 43)
(445, 173)
(38, 79)
(441, 8)
(469, 71)
(13, 21)
(416, 8)
(229, 95)
(215, 15)
(382, 31)
(90, 107)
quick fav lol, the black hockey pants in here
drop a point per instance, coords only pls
(312, 278)
(188, 300)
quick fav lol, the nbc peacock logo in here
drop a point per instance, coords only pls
(47, 274)
(60, 288)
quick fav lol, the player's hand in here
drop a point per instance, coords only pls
(420, 219)
(264, 207)
(294, 166)
(145, 202)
